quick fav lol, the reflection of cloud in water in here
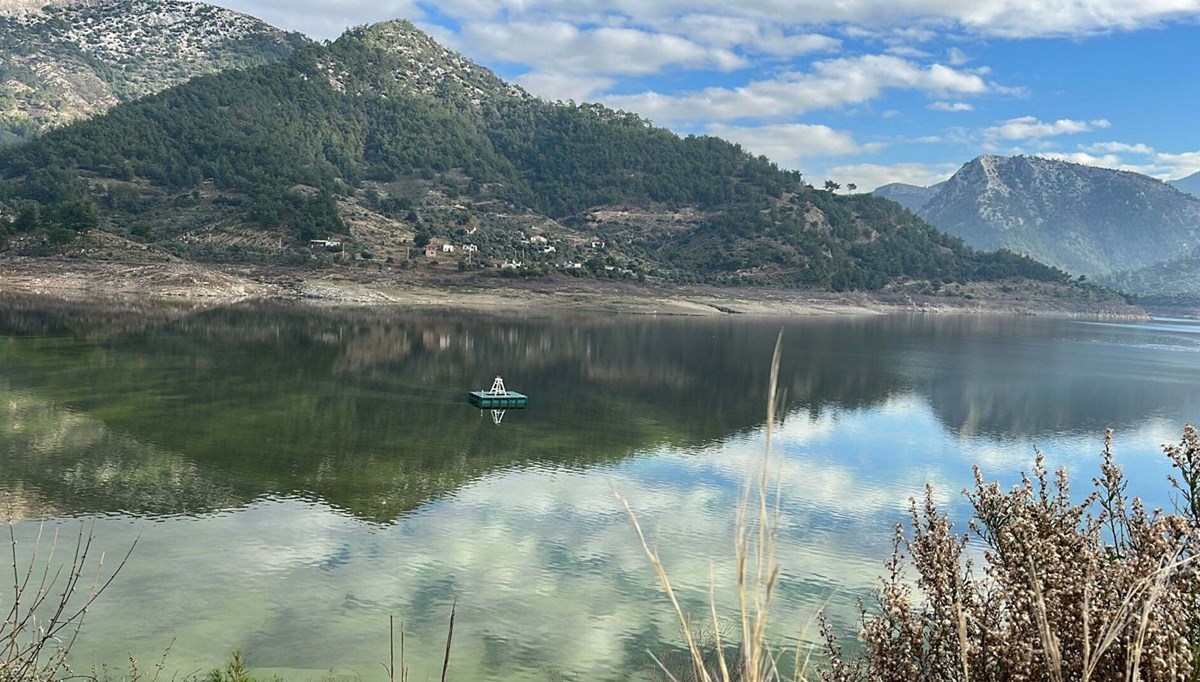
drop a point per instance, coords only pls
(544, 564)
(543, 561)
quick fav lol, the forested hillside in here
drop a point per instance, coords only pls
(385, 140)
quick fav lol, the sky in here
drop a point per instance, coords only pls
(856, 91)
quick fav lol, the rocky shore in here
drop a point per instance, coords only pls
(201, 284)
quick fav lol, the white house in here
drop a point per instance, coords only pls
(448, 248)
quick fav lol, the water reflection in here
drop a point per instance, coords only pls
(310, 473)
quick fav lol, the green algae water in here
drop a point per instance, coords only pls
(293, 477)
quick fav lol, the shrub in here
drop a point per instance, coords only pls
(1097, 590)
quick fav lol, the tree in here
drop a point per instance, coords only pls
(831, 186)
(28, 219)
(851, 187)
(79, 215)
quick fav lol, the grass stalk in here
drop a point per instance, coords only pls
(755, 540)
(449, 639)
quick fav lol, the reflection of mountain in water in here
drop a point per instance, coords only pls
(1024, 380)
(191, 412)
(362, 409)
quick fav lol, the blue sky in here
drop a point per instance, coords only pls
(862, 91)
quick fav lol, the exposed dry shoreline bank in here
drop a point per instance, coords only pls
(202, 285)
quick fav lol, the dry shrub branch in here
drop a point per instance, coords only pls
(1098, 590)
(47, 601)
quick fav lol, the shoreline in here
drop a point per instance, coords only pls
(213, 285)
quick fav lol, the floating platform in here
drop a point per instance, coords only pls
(498, 401)
(498, 398)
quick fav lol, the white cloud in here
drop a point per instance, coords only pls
(957, 57)
(863, 18)
(752, 35)
(1004, 18)
(950, 106)
(830, 84)
(908, 52)
(1029, 127)
(558, 86)
(871, 175)
(788, 143)
(564, 48)
(1117, 148)
(1083, 158)
(1179, 165)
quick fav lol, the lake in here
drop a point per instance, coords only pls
(293, 477)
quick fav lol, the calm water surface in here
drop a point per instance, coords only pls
(295, 476)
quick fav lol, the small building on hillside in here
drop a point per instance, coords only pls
(469, 248)
(431, 250)
(538, 239)
(447, 248)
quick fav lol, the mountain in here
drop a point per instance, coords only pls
(912, 197)
(1085, 220)
(1169, 281)
(1189, 184)
(384, 139)
(66, 62)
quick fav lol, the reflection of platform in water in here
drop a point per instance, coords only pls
(498, 397)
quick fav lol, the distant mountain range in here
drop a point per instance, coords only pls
(1085, 220)
(911, 197)
(68, 61)
(1190, 184)
(384, 140)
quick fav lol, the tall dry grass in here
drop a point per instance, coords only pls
(1099, 590)
(749, 659)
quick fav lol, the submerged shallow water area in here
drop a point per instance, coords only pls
(293, 477)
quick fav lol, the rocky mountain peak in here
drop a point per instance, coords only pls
(423, 65)
(15, 7)
(1084, 219)
(63, 62)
